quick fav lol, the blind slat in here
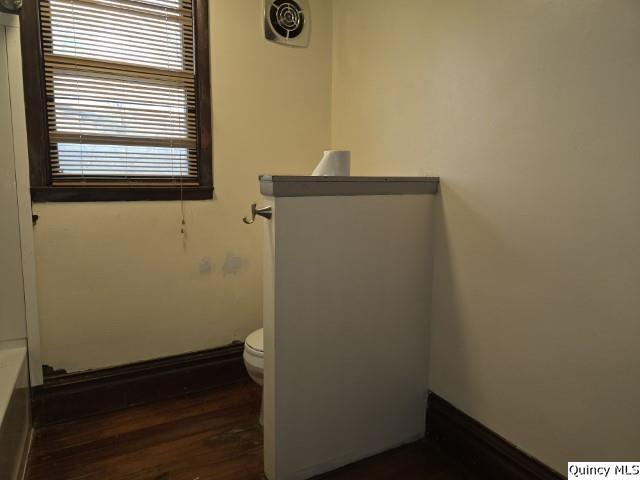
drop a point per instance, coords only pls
(67, 137)
(145, 51)
(104, 26)
(106, 67)
(174, 6)
(120, 86)
(65, 76)
(90, 36)
(167, 124)
(123, 183)
(134, 114)
(118, 9)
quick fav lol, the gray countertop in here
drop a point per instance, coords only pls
(308, 186)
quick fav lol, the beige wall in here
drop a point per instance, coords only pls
(117, 283)
(529, 111)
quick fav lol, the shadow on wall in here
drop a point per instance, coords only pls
(453, 373)
(446, 313)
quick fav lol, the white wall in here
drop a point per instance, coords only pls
(116, 281)
(529, 111)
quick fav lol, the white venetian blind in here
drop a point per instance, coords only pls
(120, 87)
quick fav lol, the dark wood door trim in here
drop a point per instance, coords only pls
(34, 93)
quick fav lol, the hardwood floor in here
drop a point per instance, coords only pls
(209, 436)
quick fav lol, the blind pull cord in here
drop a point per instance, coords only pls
(183, 222)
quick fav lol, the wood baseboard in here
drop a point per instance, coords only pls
(76, 395)
(24, 462)
(486, 453)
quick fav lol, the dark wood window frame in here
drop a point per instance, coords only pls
(42, 189)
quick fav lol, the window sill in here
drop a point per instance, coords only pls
(118, 194)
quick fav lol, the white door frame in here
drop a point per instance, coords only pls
(11, 25)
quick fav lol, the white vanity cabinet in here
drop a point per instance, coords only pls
(348, 265)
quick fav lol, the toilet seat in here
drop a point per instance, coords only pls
(254, 343)
(254, 358)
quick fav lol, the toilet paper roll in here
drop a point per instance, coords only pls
(334, 163)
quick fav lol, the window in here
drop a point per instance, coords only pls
(118, 99)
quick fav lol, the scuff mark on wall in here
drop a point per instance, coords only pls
(232, 264)
(205, 267)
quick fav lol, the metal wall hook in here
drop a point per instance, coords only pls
(265, 212)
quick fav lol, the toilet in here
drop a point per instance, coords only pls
(254, 358)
